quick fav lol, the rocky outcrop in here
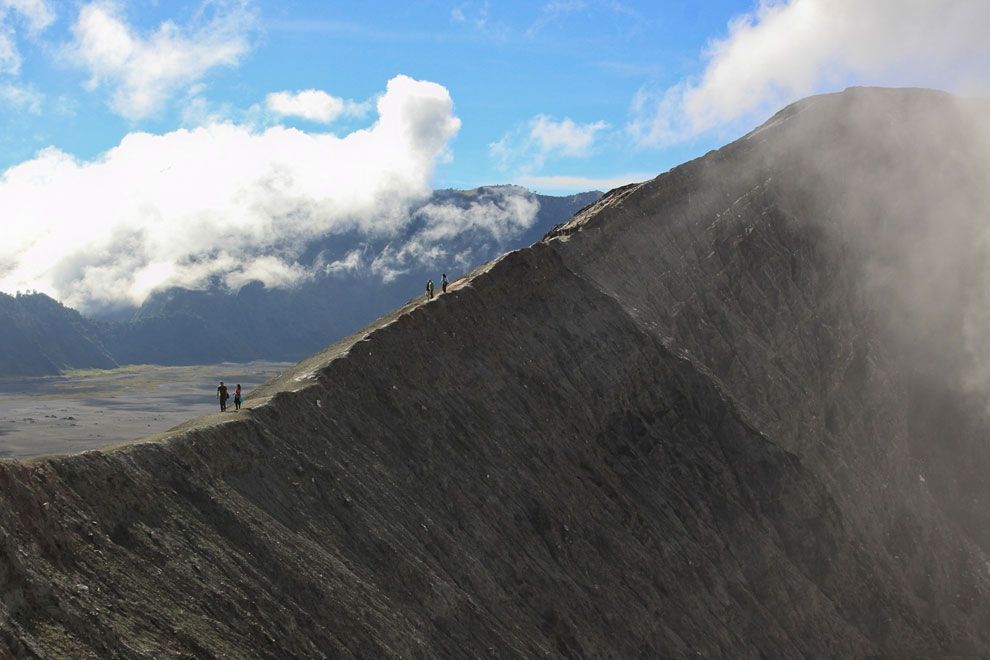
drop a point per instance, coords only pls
(696, 419)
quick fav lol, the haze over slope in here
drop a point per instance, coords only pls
(701, 417)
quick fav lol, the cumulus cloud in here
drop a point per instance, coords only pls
(786, 50)
(144, 71)
(314, 105)
(542, 137)
(219, 203)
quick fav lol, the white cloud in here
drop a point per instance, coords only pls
(484, 219)
(394, 261)
(269, 269)
(564, 136)
(218, 201)
(542, 137)
(25, 98)
(314, 105)
(10, 58)
(786, 50)
(389, 264)
(34, 13)
(500, 213)
(143, 71)
(350, 263)
(198, 111)
(659, 117)
(37, 13)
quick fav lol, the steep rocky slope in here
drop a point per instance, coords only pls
(699, 418)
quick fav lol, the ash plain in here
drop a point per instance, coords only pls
(84, 410)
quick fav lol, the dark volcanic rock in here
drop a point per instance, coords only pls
(697, 419)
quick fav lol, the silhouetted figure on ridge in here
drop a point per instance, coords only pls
(237, 397)
(443, 283)
(429, 290)
(223, 396)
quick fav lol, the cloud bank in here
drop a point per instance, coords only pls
(783, 51)
(218, 204)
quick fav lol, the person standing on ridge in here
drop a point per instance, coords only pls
(443, 283)
(222, 395)
(237, 397)
(429, 290)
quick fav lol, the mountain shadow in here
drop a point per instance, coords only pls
(40, 336)
(735, 411)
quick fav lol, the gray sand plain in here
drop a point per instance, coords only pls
(85, 410)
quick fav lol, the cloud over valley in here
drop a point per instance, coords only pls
(226, 204)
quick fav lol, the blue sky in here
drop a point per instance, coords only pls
(140, 137)
(505, 65)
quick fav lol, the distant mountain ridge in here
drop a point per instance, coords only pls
(40, 336)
